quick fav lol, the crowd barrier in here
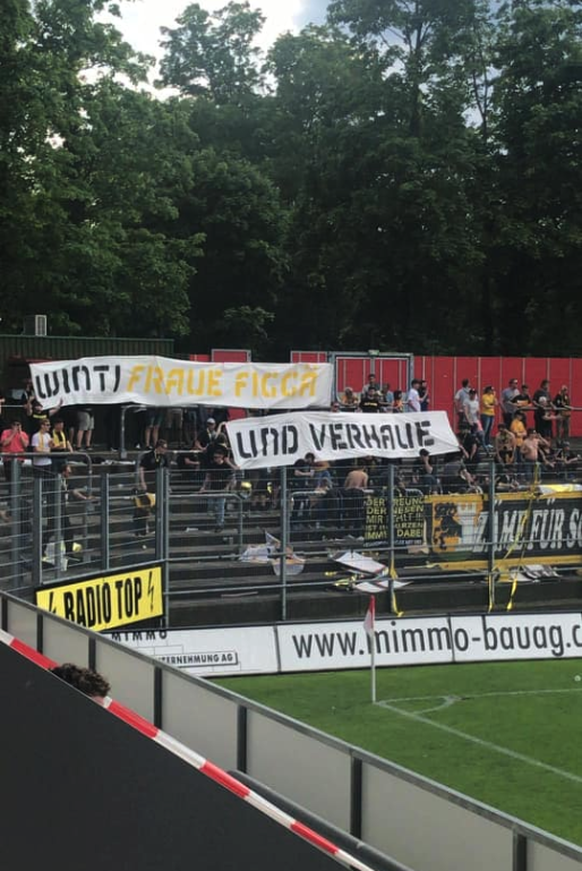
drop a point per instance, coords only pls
(407, 817)
(274, 539)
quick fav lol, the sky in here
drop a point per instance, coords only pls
(141, 21)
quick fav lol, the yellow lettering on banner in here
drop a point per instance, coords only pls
(135, 376)
(240, 383)
(195, 383)
(175, 381)
(266, 391)
(104, 603)
(155, 379)
(204, 382)
(308, 384)
(214, 377)
(285, 389)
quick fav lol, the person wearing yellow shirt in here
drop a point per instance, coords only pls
(519, 429)
(488, 405)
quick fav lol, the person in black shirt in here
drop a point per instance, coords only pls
(218, 480)
(370, 402)
(151, 461)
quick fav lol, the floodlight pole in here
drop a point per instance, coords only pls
(284, 541)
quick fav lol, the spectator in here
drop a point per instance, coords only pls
(563, 408)
(523, 399)
(87, 681)
(41, 443)
(413, 398)
(154, 459)
(542, 402)
(207, 435)
(217, 480)
(461, 397)
(371, 384)
(28, 394)
(508, 396)
(354, 501)
(36, 414)
(488, 406)
(303, 475)
(531, 452)
(370, 401)
(504, 445)
(455, 478)
(153, 421)
(67, 527)
(424, 395)
(85, 427)
(13, 441)
(423, 474)
(189, 463)
(398, 404)
(59, 444)
(519, 429)
(386, 398)
(348, 400)
(566, 460)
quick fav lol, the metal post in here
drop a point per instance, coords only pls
(36, 531)
(491, 535)
(159, 513)
(122, 448)
(284, 541)
(162, 526)
(18, 540)
(239, 503)
(390, 531)
(56, 498)
(104, 517)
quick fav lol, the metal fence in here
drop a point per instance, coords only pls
(417, 822)
(278, 536)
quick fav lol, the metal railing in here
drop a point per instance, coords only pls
(216, 545)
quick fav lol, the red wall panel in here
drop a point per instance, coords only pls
(228, 355)
(444, 375)
(308, 357)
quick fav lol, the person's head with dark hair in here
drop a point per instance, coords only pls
(85, 680)
(161, 445)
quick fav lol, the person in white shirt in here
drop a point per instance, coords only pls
(461, 396)
(42, 443)
(413, 398)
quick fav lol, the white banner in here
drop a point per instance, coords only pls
(299, 647)
(205, 652)
(430, 640)
(281, 440)
(161, 381)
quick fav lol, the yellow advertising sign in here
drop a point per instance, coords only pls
(107, 602)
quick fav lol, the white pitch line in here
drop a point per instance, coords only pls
(513, 754)
(485, 695)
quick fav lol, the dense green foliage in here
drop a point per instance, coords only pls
(504, 733)
(408, 177)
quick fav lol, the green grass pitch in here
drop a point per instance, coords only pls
(507, 733)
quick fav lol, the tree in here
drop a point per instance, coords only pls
(212, 55)
(538, 106)
(382, 229)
